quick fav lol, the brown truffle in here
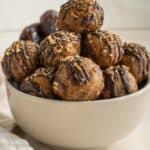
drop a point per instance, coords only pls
(80, 16)
(32, 33)
(39, 83)
(20, 59)
(103, 47)
(57, 46)
(48, 22)
(79, 79)
(137, 59)
(118, 82)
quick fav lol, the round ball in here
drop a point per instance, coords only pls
(39, 83)
(57, 46)
(80, 16)
(48, 22)
(78, 78)
(20, 59)
(32, 33)
(118, 82)
(105, 48)
(137, 59)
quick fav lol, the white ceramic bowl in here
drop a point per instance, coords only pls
(78, 125)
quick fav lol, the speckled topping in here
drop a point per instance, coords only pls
(19, 46)
(137, 58)
(20, 59)
(84, 4)
(78, 78)
(45, 72)
(63, 37)
(80, 16)
(105, 48)
(111, 40)
(57, 46)
(39, 83)
(57, 41)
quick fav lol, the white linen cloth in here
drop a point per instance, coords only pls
(9, 141)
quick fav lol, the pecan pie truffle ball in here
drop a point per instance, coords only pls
(137, 59)
(78, 78)
(105, 48)
(20, 59)
(80, 16)
(57, 46)
(118, 82)
(32, 33)
(39, 83)
(48, 22)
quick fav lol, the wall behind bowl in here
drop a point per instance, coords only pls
(119, 14)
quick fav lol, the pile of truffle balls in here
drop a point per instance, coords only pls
(68, 57)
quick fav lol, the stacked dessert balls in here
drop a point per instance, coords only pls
(76, 60)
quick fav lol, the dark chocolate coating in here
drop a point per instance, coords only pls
(39, 83)
(20, 59)
(79, 79)
(48, 22)
(57, 46)
(137, 59)
(32, 33)
(118, 82)
(103, 47)
(80, 16)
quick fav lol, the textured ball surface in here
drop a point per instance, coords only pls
(39, 83)
(137, 59)
(57, 46)
(80, 16)
(78, 78)
(103, 47)
(20, 59)
(118, 82)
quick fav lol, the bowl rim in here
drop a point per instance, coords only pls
(117, 99)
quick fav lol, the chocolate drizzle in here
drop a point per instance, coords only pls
(33, 88)
(125, 80)
(139, 53)
(110, 82)
(55, 47)
(26, 53)
(17, 62)
(118, 81)
(79, 72)
(104, 44)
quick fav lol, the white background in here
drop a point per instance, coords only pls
(129, 18)
(15, 14)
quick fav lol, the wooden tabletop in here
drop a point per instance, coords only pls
(138, 140)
